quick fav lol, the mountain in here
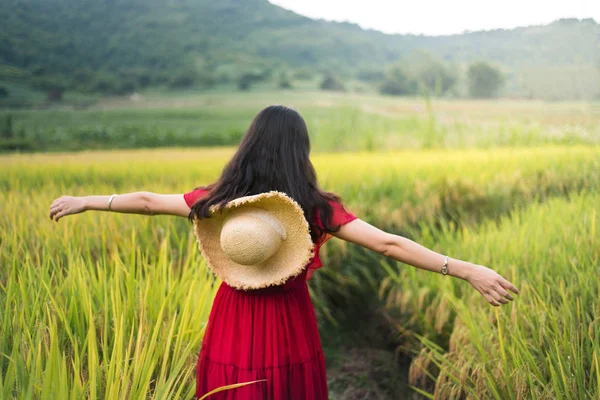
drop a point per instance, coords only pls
(107, 45)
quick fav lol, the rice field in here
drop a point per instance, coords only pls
(108, 305)
(546, 344)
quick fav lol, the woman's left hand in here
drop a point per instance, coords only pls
(66, 205)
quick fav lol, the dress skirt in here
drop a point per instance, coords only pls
(267, 334)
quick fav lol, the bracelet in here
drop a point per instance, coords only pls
(110, 201)
(445, 267)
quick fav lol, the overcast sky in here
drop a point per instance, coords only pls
(443, 17)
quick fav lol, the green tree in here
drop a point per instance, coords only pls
(398, 83)
(246, 80)
(184, 78)
(303, 74)
(283, 81)
(7, 131)
(126, 87)
(135, 78)
(207, 77)
(54, 86)
(105, 83)
(253, 75)
(4, 92)
(432, 75)
(371, 75)
(330, 82)
(484, 80)
(436, 78)
(82, 78)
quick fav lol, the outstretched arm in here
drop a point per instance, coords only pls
(489, 283)
(146, 203)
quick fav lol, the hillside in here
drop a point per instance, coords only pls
(112, 45)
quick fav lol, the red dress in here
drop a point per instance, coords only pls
(267, 334)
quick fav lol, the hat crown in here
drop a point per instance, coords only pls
(251, 235)
(256, 241)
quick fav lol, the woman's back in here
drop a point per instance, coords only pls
(268, 334)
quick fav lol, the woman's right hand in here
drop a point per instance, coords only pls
(491, 285)
(66, 205)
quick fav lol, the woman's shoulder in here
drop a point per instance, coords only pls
(194, 195)
(340, 213)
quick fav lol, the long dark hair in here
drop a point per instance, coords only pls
(273, 155)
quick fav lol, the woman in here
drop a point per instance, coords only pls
(271, 334)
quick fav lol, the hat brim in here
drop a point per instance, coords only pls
(288, 261)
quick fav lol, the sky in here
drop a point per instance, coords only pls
(443, 17)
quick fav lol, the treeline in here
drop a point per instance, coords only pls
(418, 74)
(424, 74)
(122, 81)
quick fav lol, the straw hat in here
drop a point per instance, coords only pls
(255, 241)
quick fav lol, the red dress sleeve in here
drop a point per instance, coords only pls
(341, 216)
(191, 197)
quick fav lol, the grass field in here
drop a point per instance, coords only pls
(337, 122)
(546, 344)
(106, 305)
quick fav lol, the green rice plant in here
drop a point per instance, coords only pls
(109, 327)
(543, 345)
(422, 194)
